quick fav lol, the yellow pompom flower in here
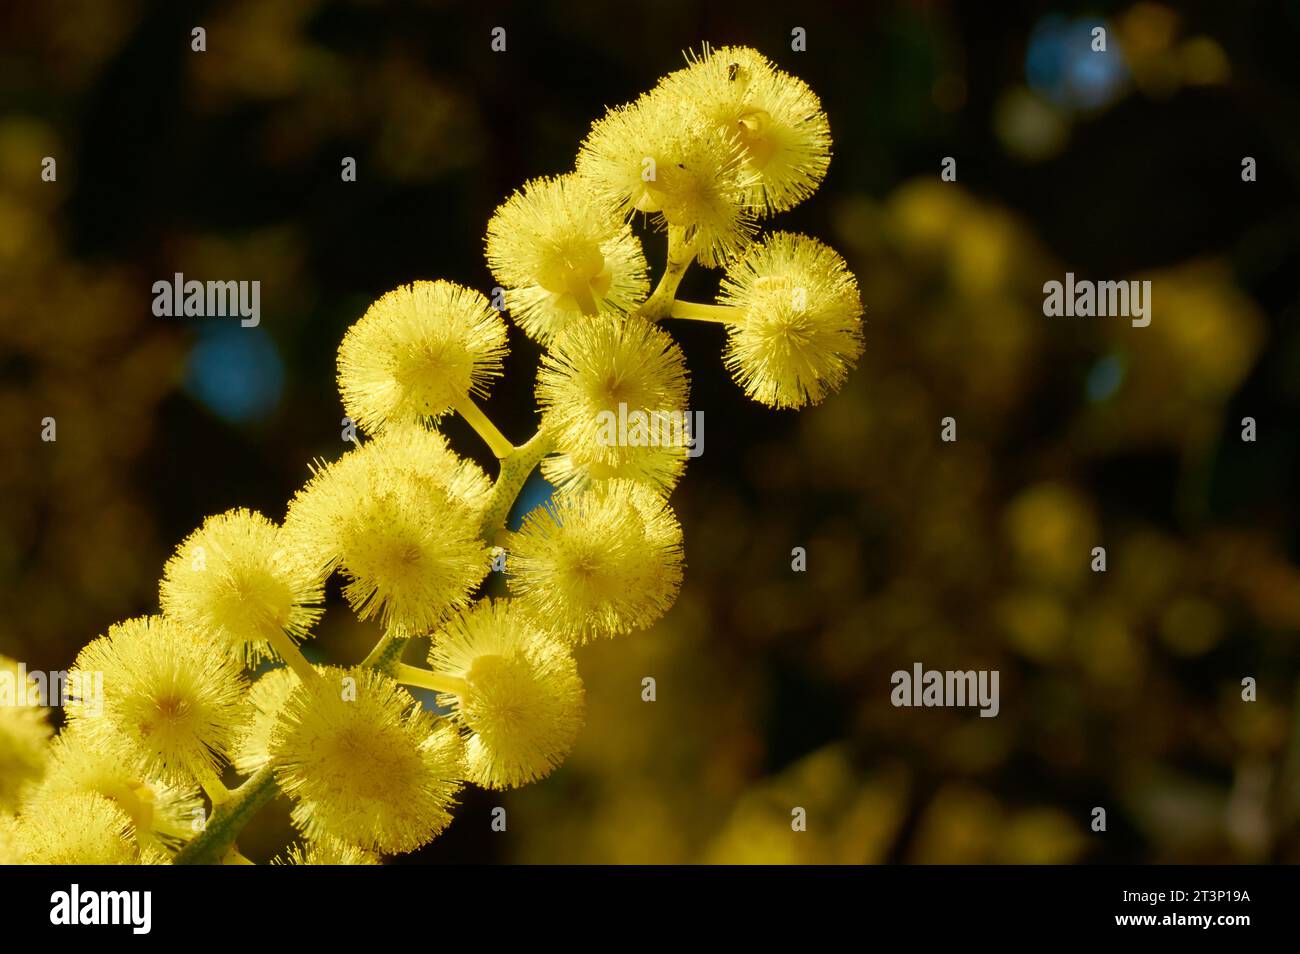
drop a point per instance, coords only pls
(560, 252)
(521, 699)
(417, 352)
(327, 851)
(613, 395)
(24, 734)
(233, 580)
(171, 703)
(784, 134)
(365, 763)
(800, 329)
(79, 828)
(162, 815)
(408, 543)
(597, 563)
(660, 155)
(266, 698)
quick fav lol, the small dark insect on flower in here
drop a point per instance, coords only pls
(733, 71)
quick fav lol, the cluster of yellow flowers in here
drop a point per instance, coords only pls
(413, 529)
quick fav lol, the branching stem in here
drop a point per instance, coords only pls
(680, 255)
(515, 469)
(228, 820)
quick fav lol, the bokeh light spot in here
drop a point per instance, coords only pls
(1061, 65)
(235, 372)
(1105, 378)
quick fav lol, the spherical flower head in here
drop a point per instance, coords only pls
(417, 351)
(24, 734)
(233, 580)
(76, 829)
(162, 815)
(171, 703)
(801, 330)
(620, 157)
(613, 394)
(407, 542)
(784, 134)
(560, 252)
(327, 851)
(662, 156)
(266, 698)
(522, 708)
(364, 763)
(600, 562)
